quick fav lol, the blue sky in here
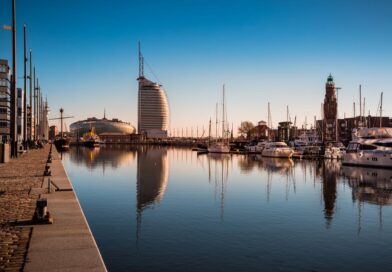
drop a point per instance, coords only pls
(264, 51)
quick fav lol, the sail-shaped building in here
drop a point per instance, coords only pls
(153, 106)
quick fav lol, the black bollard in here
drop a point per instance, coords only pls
(47, 171)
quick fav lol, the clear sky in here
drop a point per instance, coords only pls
(273, 51)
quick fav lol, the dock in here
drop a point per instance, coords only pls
(65, 245)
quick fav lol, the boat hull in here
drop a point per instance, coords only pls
(219, 148)
(277, 153)
(381, 159)
(61, 144)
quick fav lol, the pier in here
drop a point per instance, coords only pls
(67, 243)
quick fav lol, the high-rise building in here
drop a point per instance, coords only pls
(153, 106)
(5, 110)
(330, 127)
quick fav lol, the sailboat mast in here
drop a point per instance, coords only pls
(360, 104)
(216, 121)
(223, 113)
(209, 132)
(381, 110)
(61, 123)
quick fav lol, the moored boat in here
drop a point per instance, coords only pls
(370, 147)
(277, 150)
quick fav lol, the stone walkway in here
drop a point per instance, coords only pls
(17, 204)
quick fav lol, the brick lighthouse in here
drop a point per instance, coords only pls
(330, 112)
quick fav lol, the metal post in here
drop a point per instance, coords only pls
(34, 110)
(31, 96)
(14, 123)
(24, 91)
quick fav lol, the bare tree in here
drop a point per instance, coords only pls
(245, 128)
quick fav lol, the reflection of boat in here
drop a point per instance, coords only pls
(277, 150)
(370, 147)
(370, 185)
(276, 163)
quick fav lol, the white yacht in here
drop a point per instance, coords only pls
(370, 147)
(219, 147)
(256, 147)
(277, 150)
(334, 151)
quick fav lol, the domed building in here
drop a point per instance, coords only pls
(101, 126)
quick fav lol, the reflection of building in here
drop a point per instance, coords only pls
(101, 126)
(330, 111)
(5, 92)
(329, 179)
(152, 179)
(153, 107)
(103, 157)
(152, 175)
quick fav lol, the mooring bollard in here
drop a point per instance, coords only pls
(41, 214)
(47, 171)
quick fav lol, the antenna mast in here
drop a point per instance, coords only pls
(141, 62)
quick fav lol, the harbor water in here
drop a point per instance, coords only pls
(170, 209)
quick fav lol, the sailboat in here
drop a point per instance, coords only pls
(61, 142)
(221, 146)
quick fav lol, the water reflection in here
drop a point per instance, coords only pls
(220, 176)
(279, 203)
(112, 156)
(152, 180)
(330, 170)
(152, 176)
(370, 185)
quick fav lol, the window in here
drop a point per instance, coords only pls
(3, 68)
(367, 147)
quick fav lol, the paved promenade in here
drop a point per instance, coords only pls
(65, 245)
(16, 203)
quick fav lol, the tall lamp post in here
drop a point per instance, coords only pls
(14, 123)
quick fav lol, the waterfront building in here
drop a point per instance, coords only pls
(153, 106)
(346, 125)
(53, 131)
(5, 110)
(259, 132)
(101, 126)
(284, 131)
(43, 126)
(330, 133)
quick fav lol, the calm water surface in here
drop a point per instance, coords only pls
(168, 209)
